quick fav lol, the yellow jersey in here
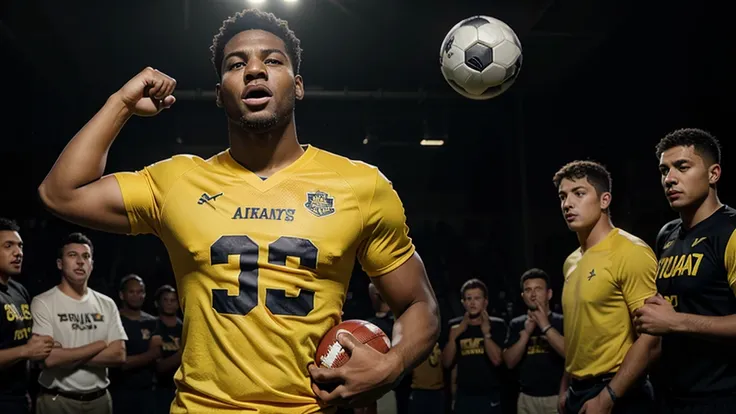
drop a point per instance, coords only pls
(262, 267)
(602, 289)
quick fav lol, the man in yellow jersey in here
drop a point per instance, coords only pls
(606, 280)
(262, 236)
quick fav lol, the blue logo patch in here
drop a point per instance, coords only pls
(320, 204)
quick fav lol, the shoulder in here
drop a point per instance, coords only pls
(455, 322)
(15, 285)
(518, 321)
(46, 296)
(497, 320)
(571, 259)
(103, 299)
(626, 244)
(665, 233)
(147, 317)
(363, 178)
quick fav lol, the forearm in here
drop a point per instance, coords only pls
(140, 360)
(415, 333)
(717, 326)
(556, 341)
(448, 354)
(84, 158)
(72, 357)
(513, 354)
(170, 363)
(112, 356)
(11, 355)
(564, 382)
(635, 363)
(494, 352)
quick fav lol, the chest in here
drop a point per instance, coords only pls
(592, 280)
(16, 319)
(691, 265)
(77, 324)
(471, 342)
(208, 219)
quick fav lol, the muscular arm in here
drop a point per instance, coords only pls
(493, 351)
(718, 326)
(74, 189)
(73, 357)
(644, 350)
(513, 354)
(112, 356)
(410, 296)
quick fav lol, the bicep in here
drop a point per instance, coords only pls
(638, 278)
(405, 285)
(98, 205)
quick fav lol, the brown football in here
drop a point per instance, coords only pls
(330, 354)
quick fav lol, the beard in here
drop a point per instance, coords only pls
(262, 124)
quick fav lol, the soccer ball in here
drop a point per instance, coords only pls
(480, 57)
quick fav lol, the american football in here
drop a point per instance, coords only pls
(330, 354)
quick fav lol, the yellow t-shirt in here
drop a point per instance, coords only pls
(602, 289)
(263, 266)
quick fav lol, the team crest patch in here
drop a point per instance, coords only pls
(320, 204)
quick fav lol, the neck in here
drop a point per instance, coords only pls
(701, 211)
(4, 278)
(76, 291)
(265, 153)
(130, 313)
(592, 236)
(168, 320)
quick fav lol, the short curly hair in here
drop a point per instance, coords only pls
(705, 144)
(596, 174)
(251, 19)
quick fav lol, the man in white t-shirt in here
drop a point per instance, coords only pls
(88, 337)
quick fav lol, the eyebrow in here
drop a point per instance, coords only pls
(241, 54)
(580, 187)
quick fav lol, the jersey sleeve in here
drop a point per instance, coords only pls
(730, 261)
(386, 244)
(42, 318)
(145, 191)
(637, 276)
(115, 328)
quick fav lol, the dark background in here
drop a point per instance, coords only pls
(601, 80)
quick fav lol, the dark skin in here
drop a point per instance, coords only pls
(369, 374)
(263, 139)
(75, 189)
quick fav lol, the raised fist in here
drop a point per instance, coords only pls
(148, 92)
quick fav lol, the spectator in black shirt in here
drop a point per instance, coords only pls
(169, 329)
(17, 347)
(473, 345)
(132, 384)
(536, 346)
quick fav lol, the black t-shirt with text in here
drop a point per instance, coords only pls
(171, 338)
(541, 367)
(139, 336)
(476, 374)
(696, 273)
(15, 330)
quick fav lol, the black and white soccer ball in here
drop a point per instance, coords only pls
(480, 57)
